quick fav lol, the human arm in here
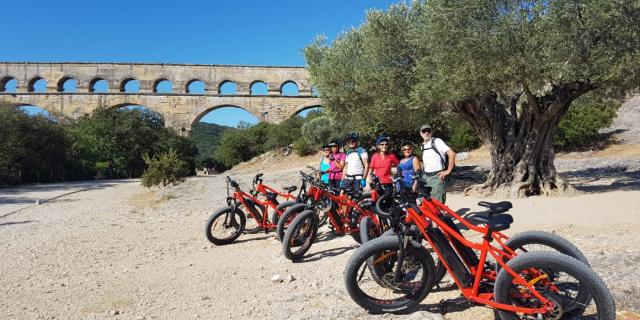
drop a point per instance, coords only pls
(452, 163)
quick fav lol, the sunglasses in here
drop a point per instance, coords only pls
(426, 130)
(327, 149)
(384, 144)
(406, 149)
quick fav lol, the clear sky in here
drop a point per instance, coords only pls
(208, 32)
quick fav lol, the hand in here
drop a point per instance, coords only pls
(443, 174)
(331, 158)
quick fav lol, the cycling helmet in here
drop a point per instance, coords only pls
(352, 136)
(381, 139)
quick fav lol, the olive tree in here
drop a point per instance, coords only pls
(510, 68)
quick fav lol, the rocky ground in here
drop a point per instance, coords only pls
(124, 252)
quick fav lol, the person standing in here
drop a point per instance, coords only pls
(325, 164)
(436, 168)
(356, 163)
(381, 163)
(409, 167)
(336, 165)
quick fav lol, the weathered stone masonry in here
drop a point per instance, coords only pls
(180, 108)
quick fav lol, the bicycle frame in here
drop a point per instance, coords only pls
(344, 203)
(240, 197)
(429, 212)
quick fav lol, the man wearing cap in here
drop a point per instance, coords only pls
(438, 161)
(356, 164)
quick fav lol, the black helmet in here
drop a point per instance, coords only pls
(352, 136)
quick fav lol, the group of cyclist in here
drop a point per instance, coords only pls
(351, 166)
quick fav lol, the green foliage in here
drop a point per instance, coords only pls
(206, 137)
(319, 131)
(586, 116)
(165, 168)
(32, 149)
(461, 136)
(236, 145)
(302, 147)
(38, 149)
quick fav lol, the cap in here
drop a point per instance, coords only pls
(425, 126)
(382, 138)
(332, 144)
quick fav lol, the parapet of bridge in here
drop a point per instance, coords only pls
(180, 108)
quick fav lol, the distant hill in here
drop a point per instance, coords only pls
(207, 137)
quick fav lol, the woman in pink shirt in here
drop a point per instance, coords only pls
(381, 163)
(336, 164)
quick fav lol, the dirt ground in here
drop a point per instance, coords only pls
(124, 252)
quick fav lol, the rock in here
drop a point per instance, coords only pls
(462, 156)
(290, 278)
(277, 278)
(205, 298)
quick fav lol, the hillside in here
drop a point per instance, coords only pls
(207, 137)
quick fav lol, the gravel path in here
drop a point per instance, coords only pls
(124, 252)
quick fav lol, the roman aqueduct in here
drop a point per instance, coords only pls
(180, 107)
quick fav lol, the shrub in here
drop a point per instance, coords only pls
(319, 131)
(586, 116)
(462, 137)
(166, 168)
(302, 147)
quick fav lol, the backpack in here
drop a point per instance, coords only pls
(443, 160)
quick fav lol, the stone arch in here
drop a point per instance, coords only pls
(52, 112)
(63, 82)
(258, 88)
(224, 82)
(94, 81)
(203, 112)
(126, 80)
(31, 86)
(188, 89)
(4, 81)
(289, 85)
(159, 81)
(309, 107)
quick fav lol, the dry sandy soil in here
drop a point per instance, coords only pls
(123, 252)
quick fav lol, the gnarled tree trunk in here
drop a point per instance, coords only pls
(519, 133)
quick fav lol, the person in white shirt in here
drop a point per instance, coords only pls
(438, 161)
(356, 165)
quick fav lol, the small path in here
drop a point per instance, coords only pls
(15, 199)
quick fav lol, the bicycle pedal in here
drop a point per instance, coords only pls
(266, 231)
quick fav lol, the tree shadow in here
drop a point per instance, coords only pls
(252, 239)
(15, 222)
(464, 177)
(586, 180)
(326, 253)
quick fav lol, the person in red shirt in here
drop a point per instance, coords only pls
(381, 163)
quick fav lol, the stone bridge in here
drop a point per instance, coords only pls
(70, 90)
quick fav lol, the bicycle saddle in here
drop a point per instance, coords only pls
(496, 222)
(290, 189)
(496, 207)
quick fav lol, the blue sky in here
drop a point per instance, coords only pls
(209, 32)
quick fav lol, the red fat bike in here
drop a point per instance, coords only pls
(344, 217)
(228, 223)
(389, 274)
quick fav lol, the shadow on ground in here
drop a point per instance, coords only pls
(588, 180)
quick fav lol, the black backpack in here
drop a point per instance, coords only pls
(443, 160)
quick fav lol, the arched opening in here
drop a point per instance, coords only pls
(227, 87)
(99, 85)
(162, 86)
(36, 111)
(310, 111)
(228, 115)
(8, 84)
(37, 84)
(289, 88)
(67, 84)
(130, 85)
(259, 88)
(195, 87)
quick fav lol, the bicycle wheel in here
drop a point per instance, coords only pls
(286, 218)
(368, 230)
(323, 205)
(275, 215)
(225, 225)
(370, 272)
(543, 241)
(300, 235)
(571, 286)
(252, 225)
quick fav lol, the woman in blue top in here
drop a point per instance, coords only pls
(409, 166)
(325, 163)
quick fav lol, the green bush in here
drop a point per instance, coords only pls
(303, 148)
(166, 168)
(319, 131)
(462, 137)
(586, 116)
